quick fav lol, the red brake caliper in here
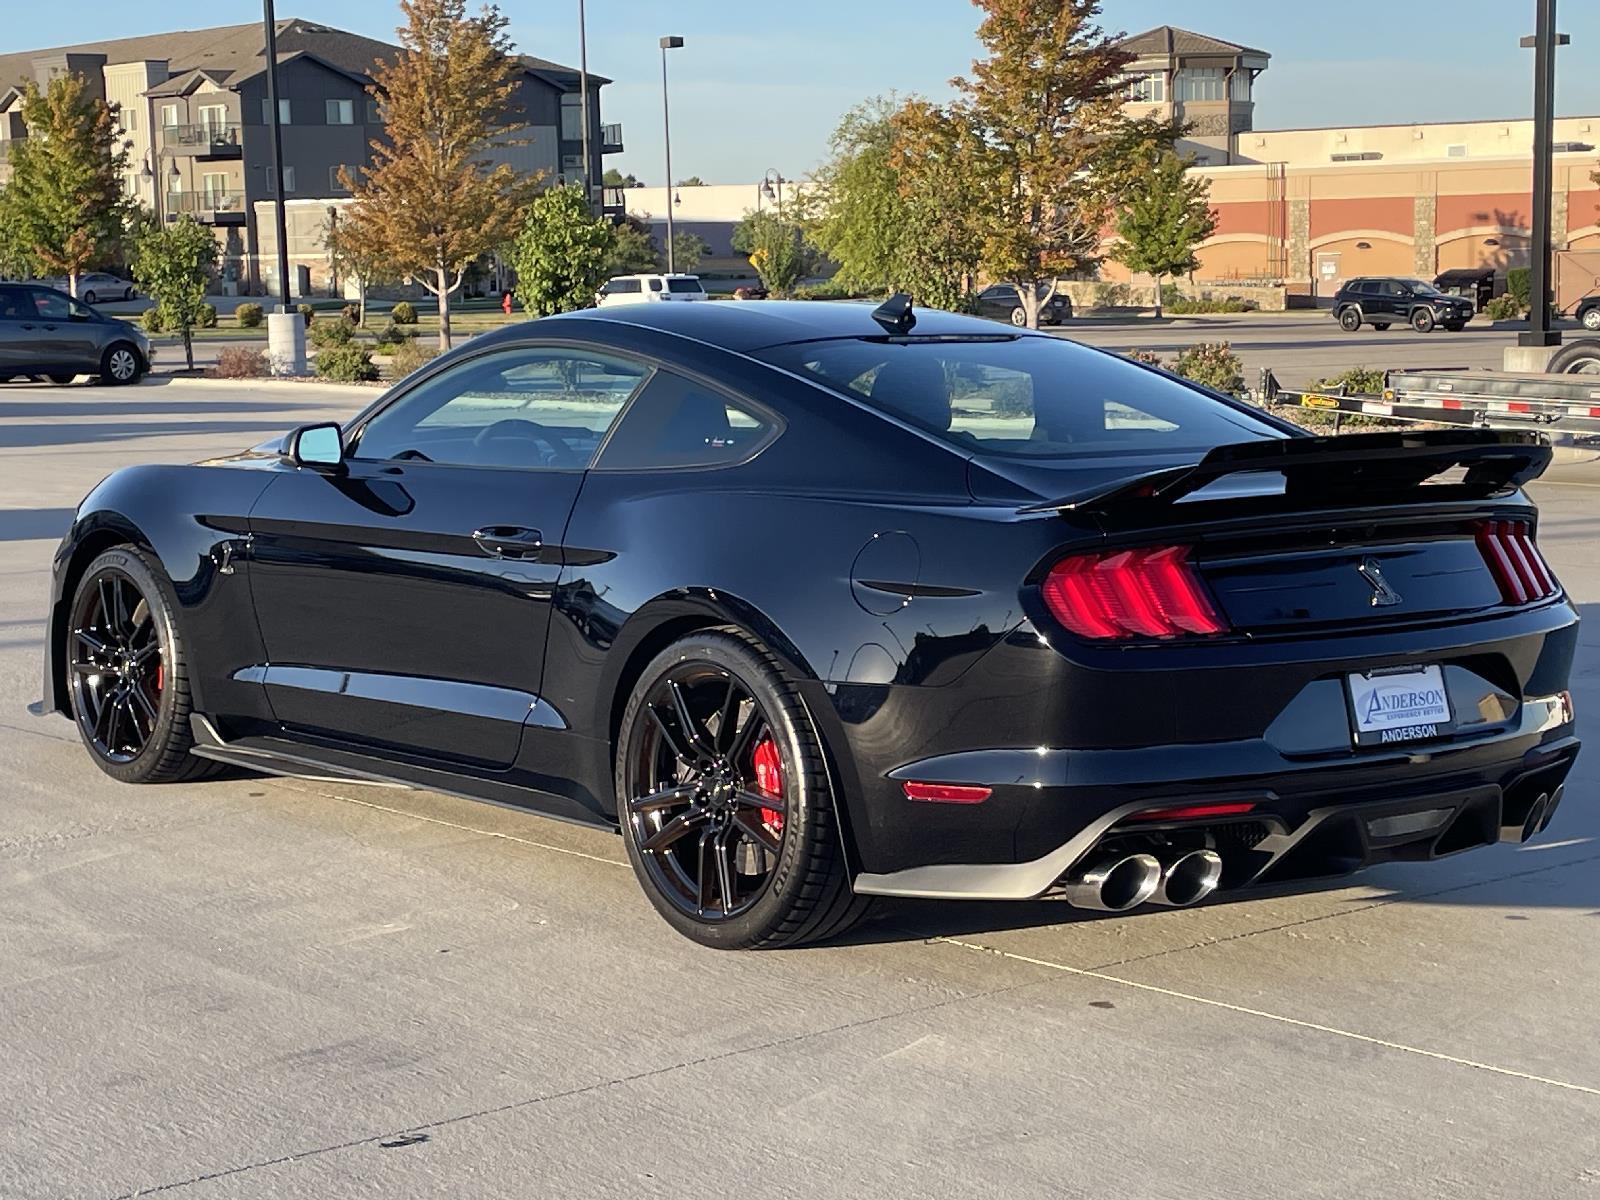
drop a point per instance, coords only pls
(769, 780)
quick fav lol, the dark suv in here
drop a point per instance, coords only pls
(1381, 302)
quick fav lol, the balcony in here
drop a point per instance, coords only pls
(207, 207)
(204, 141)
(611, 138)
(613, 201)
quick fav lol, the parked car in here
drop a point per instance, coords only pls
(1001, 303)
(643, 289)
(94, 287)
(44, 332)
(818, 602)
(1385, 301)
(1587, 313)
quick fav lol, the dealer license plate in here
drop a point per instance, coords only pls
(1405, 704)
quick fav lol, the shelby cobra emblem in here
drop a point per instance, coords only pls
(1383, 596)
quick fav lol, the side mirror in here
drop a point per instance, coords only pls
(316, 446)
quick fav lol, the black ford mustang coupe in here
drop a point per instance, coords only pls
(818, 602)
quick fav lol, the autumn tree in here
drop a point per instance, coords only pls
(1044, 115)
(351, 257)
(174, 263)
(433, 201)
(1167, 215)
(64, 207)
(562, 252)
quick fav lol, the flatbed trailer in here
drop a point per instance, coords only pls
(1565, 407)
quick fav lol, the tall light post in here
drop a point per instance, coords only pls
(668, 43)
(772, 187)
(1544, 43)
(286, 332)
(583, 89)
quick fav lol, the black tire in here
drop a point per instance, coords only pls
(1019, 317)
(1350, 319)
(1380, 326)
(61, 380)
(1422, 320)
(154, 746)
(801, 891)
(1581, 357)
(120, 364)
(88, 297)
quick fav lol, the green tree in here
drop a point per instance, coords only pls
(943, 227)
(1048, 141)
(64, 207)
(692, 181)
(615, 178)
(174, 264)
(1165, 218)
(561, 254)
(687, 250)
(775, 250)
(857, 214)
(634, 250)
(432, 202)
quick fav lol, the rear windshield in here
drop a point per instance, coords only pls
(684, 285)
(1028, 397)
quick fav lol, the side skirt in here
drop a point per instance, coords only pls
(299, 760)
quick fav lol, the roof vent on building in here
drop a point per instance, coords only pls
(1456, 151)
(1571, 147)
(1362, 156)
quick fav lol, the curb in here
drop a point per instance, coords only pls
(299, 381)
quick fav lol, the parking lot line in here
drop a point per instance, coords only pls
(1267, 1016)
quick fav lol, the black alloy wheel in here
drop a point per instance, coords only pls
(1350, 320)
(126, 677)
(1422, 320)
(724, 801)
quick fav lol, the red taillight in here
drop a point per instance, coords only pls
(1514, 561)
(946, 793)
(1152, 593)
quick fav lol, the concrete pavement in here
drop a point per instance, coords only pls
(256, 987)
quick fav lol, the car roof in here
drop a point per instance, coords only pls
(742, 326)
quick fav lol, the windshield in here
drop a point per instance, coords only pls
(1030, 397)
(684, 285)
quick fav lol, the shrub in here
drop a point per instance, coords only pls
(1213, 364)
(153, 320)
(249, 315)
(351, 313)
(1503, 308)
(828, 289)
(1112, 295)
(308, 313)
(239, 362)
(327, 334)
(206, 317)
(1148, 357)
(348, 363)
(1174, 301)
(403, 313)
(1363, 380)
(409, 356)
(1519, 284)
(393, 335)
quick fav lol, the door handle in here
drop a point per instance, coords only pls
(27, 326)
(509, 541)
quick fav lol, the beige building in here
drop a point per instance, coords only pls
(1203, 82)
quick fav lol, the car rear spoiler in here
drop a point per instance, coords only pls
(1364, 467)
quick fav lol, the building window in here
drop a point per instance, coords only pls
(214, 118)
(1200, 83)
(571, 118)
(341, 112)
(215, 188)
(272, 181)
(333, 177)
(1146, 89)
(284, 111)
(1239, 88)
(169, 116)
(130, 119)
(374, 117)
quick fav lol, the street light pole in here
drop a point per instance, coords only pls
(583, 89)
(1544, 42)
(277, 154)
(668, 43)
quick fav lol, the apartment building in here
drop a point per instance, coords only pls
(194, 118)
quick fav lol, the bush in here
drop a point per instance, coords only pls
(153, 320)
(1503, 308)
(1148, 357)
(393, 335)
(249, 316)
(308, 313)
(239, 362)
(828, 289)
(1174, 301)
(1112, 295)
(347, 363)
(1519, 284)
(1213, 364)
(206, 317)
(325, 335)
(1363, 380)
(403, 313)
(409, 356)
(351, 313)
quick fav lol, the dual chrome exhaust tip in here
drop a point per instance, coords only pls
(1540, 813)
(1118, 882)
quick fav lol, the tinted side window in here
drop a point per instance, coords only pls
(676, 422)
(530, 407)
(1393, 287)
(655, 285)
(619, 287)
(1368, 287)
(685, 286)
(14, 305)
(51, 306)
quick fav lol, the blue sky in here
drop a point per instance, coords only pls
(760, 84)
